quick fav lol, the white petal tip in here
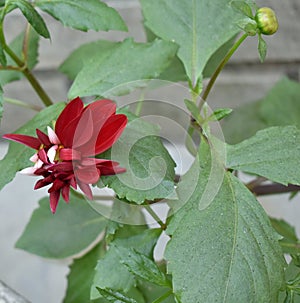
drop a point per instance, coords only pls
(52, 136)
(28, 171)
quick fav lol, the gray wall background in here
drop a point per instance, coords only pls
(245, 79)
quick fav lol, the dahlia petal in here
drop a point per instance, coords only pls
(105, 171)
(38, 164)
(73, 182)
(34, 158)
(57, 185)
(43, 182)
(67, 135)
(68, 154)
(84, 129)
(65, 192)
(102, 109)
(43, 156)
(62, 167)
(110, 132)
(52, 136)
(95, 161)
(88, 175)
(71, 111)
(30, 171)
(52, 153)
(106, 137)
(54, 198)
(42, 171)
(86, 190)
(24, 139)
(43, 137)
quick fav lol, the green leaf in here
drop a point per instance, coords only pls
(98, 49)
(291, 272)
(110, 272)
(227, 252)
(110, 74)
(284, 229)
(73, 228)
(149, 171)
(281, 105)
(262, 48)
(32, 16)
(81, 276)
(17, 45)
(193, 108)
(243, 123)
(217, 57)
(93, 51)
(219, 114)
(272, 153)
(1, 103)
(89, 51)
(290, 243)
(142, 266)
(243, 8)
(18, 155)
(153, 292)
(187, 24)
(83, 15)
(115, 296)
(250, 27)
(176, 72)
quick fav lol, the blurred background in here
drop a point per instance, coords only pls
(244, 79)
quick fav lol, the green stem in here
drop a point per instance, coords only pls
(163, 297)
(24, 69)
(140, 103)
(189, 142)
(30, 77)
(26, 42)
(22, 104)
(153, 214)
(214, 77)
(219, 69)
(9, 67)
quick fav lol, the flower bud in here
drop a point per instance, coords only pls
(266, 21)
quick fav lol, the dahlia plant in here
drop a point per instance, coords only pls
(221, 244)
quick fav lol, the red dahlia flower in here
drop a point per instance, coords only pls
(65, 156)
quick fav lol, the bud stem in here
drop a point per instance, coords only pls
(22, 104)
(209, 86)
(219, 69)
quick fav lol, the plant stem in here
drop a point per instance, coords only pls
(256, 182)
(30, 77)
(139, 105)
(24, 69)
(219, 69)
(26, 42)
(163, 297)
(272, 189)
(212, 81)
(9, 67)
(22, 104)
(153, 214)
(290, 245)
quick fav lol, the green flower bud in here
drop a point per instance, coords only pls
(266, 21)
